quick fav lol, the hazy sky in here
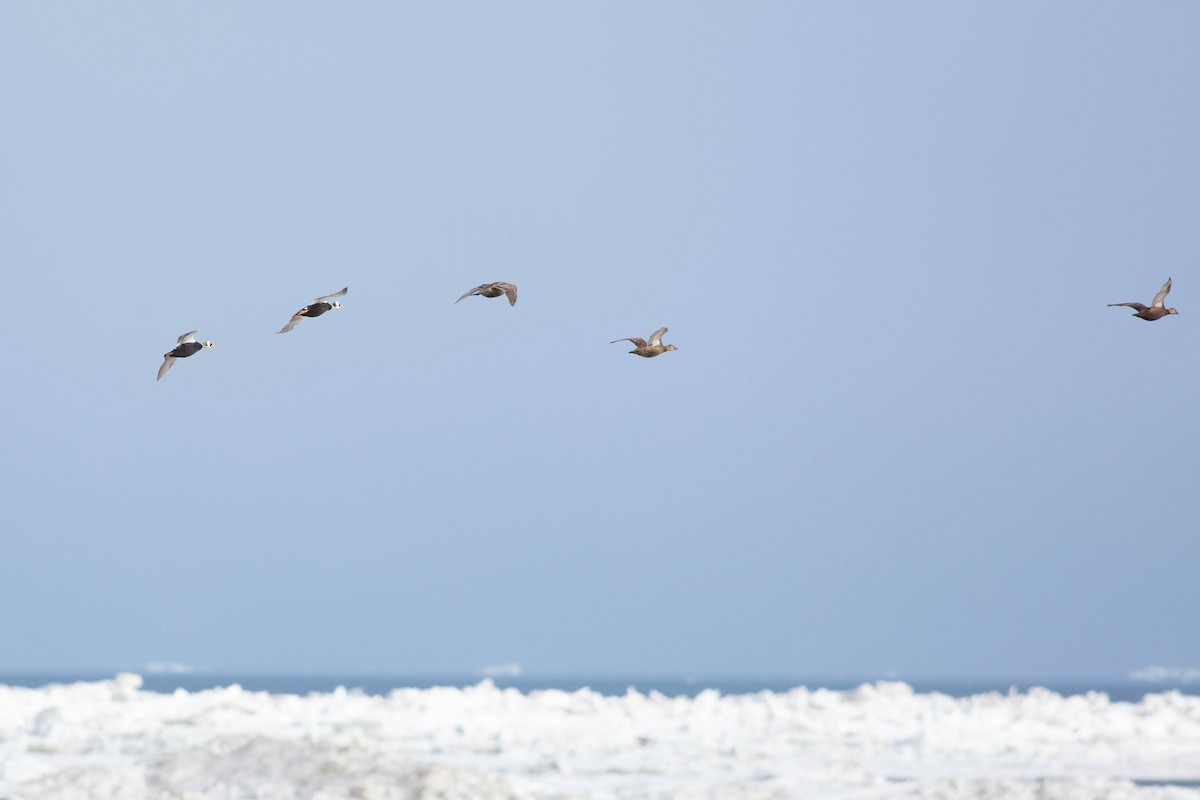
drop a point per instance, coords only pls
(903, 434)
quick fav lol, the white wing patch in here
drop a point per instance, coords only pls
(1162, 295)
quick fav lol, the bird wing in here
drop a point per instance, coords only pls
(1134, 306)
(291, 323)
(510, 291)
(323, 298)
(166, 365)
(476, 290)
(1159, 298)
(656, 337)
(187, 337)
(637, 341)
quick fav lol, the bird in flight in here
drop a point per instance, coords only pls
(648, 349)
(494, 290)
(185, 346)
(1157, 309)
(315, 309)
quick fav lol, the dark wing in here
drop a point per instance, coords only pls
(510, 291)
(1159, 298)
(335, 294)
(166, 365)
(1135, 306)
(291, 322)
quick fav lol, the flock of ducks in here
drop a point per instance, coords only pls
(186, 345)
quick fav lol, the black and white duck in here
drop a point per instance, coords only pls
(314, 309)
(185, 346)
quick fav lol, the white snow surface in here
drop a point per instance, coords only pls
(112, 739)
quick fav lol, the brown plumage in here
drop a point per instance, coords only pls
(494, 290)
(648, 349)
(1157, 309)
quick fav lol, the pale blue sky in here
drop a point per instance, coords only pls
(903, 434)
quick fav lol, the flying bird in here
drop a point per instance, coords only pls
(315, 309)
(185, 346)
(1157, 310)
(494, 290)
(648, 349)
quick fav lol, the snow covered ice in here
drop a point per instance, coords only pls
(112, 739)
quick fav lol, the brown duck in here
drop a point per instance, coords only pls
(494, 290)
(1157, 309)
(648, 349)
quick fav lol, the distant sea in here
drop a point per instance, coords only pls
(168, 682)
